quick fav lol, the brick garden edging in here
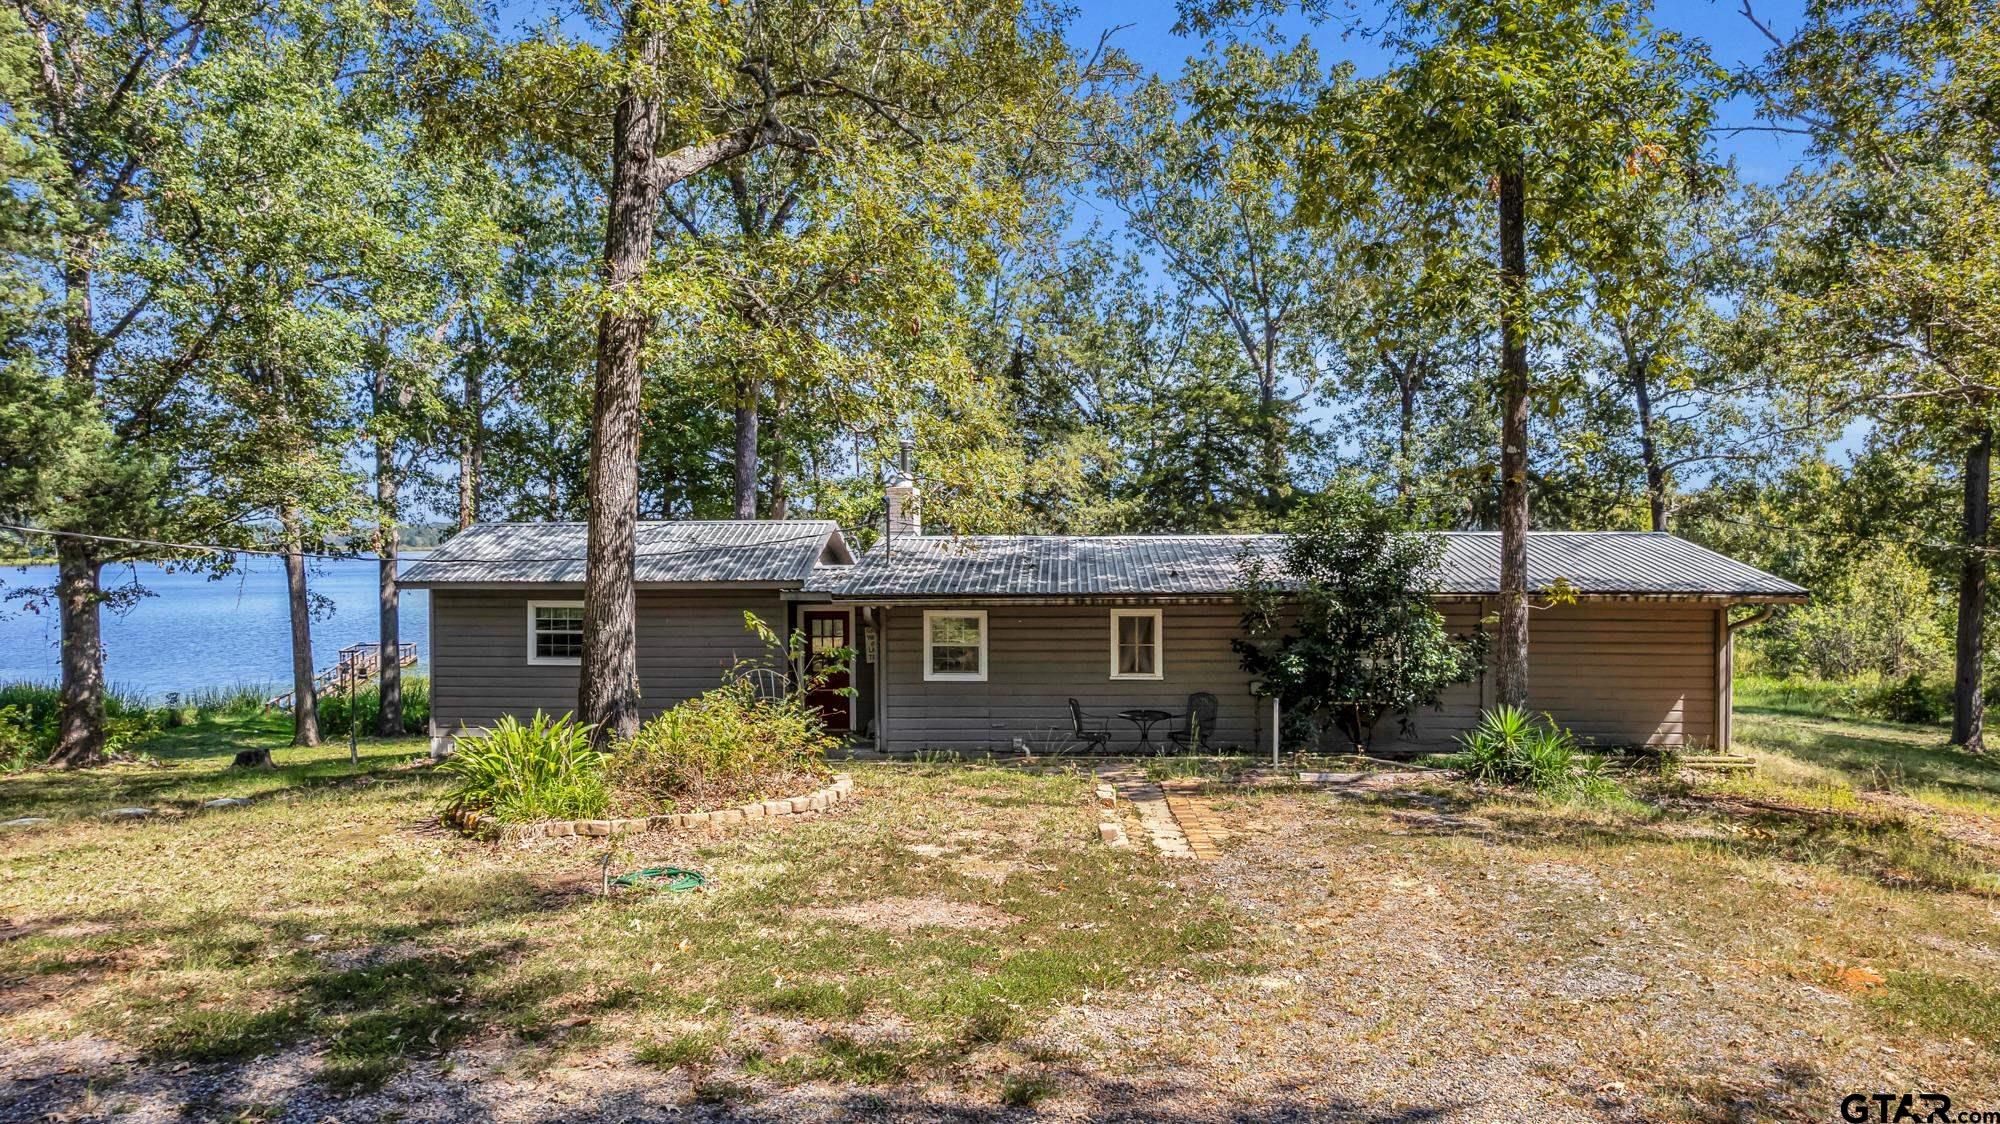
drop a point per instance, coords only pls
(841, 788)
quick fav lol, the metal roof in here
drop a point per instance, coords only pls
(760, 551)
(1595, 563)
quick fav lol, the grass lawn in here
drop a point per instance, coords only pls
(956, 941)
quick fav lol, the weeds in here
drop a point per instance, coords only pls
(724, 746)
(691, 1048)
(1025, 1090)
(335, 714)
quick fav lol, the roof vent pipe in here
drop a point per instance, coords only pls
(905, 503)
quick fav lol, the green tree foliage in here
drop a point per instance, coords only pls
(1882, 615)
(1222, 213)
(98, 99)
(1887, 279)
(1342, 626)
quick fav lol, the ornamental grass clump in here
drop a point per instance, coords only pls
(545, 770)
(724, 747)
(1511, 746)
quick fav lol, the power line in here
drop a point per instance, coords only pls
(215, 548)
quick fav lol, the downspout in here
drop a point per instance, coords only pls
(882, 680)
(1758, 617)
(1725, 727)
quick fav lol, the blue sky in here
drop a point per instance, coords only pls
(1146, 34)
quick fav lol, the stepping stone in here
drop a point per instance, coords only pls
(224, 802)
(27, 821)
(129, 813)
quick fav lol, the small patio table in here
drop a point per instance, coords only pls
(1145, 720)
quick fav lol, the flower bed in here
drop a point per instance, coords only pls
(841, 789)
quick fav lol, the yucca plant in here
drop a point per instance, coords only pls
(1512, 746)
(545, 770)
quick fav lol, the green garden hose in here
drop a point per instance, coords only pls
(669, 879)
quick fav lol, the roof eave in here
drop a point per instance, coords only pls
(497, 584)
(966, 597)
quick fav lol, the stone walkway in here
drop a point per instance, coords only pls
(1182, 823)
(1199, 822)
(1156, 819)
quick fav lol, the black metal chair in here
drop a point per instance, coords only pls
(1200, 720)
(1093, 732)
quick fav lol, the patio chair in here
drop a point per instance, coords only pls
(1093, 732)
(1198, 724)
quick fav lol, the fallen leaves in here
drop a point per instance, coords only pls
(1855, 978)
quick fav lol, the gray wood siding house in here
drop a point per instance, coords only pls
(977, 643)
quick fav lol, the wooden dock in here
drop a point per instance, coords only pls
(357, 663)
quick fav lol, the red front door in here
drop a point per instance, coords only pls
(826, 633)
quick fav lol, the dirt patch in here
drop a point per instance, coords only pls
(1966, 827)
(986, 870)
(901, 915)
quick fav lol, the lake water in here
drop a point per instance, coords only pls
(197, 632)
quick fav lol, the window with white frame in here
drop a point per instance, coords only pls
(955, 644)
(555, 632)
(1135, 644)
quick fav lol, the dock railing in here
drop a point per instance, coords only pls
(354, 664)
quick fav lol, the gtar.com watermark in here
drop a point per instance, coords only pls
(1911, 1108)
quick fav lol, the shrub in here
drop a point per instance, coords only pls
(334, 714)
(725, 746)
(1511, 746)
(1910, 699)
(1342, 628)
(1914, 698)
(545, 770)
(28, 722)
(22, 744)
(1882, 615)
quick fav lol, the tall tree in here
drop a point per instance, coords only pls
(97, 108)
(1531, 118)
(688, 90)
(1220, 209)
(1654, 327)
(1889, 281)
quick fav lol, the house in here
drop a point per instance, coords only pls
(976, 643)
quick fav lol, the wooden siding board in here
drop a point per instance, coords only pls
(1040, 656)
(1616, 674)
(479, 669)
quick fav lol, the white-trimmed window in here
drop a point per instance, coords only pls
(1135, 644)
(555, 632)
(955, 644)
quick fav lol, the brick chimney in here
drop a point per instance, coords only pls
(905, 503)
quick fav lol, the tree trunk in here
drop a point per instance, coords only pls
(748, 392)
(389, 664)
(1406, 377)
(472, 444)
(1274, 443)
(1511, 644)
(780, 502)
(305, 701)
(1649, 452)
(554, 481)
(608, 692)
(80, 714)
(1968, 706)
